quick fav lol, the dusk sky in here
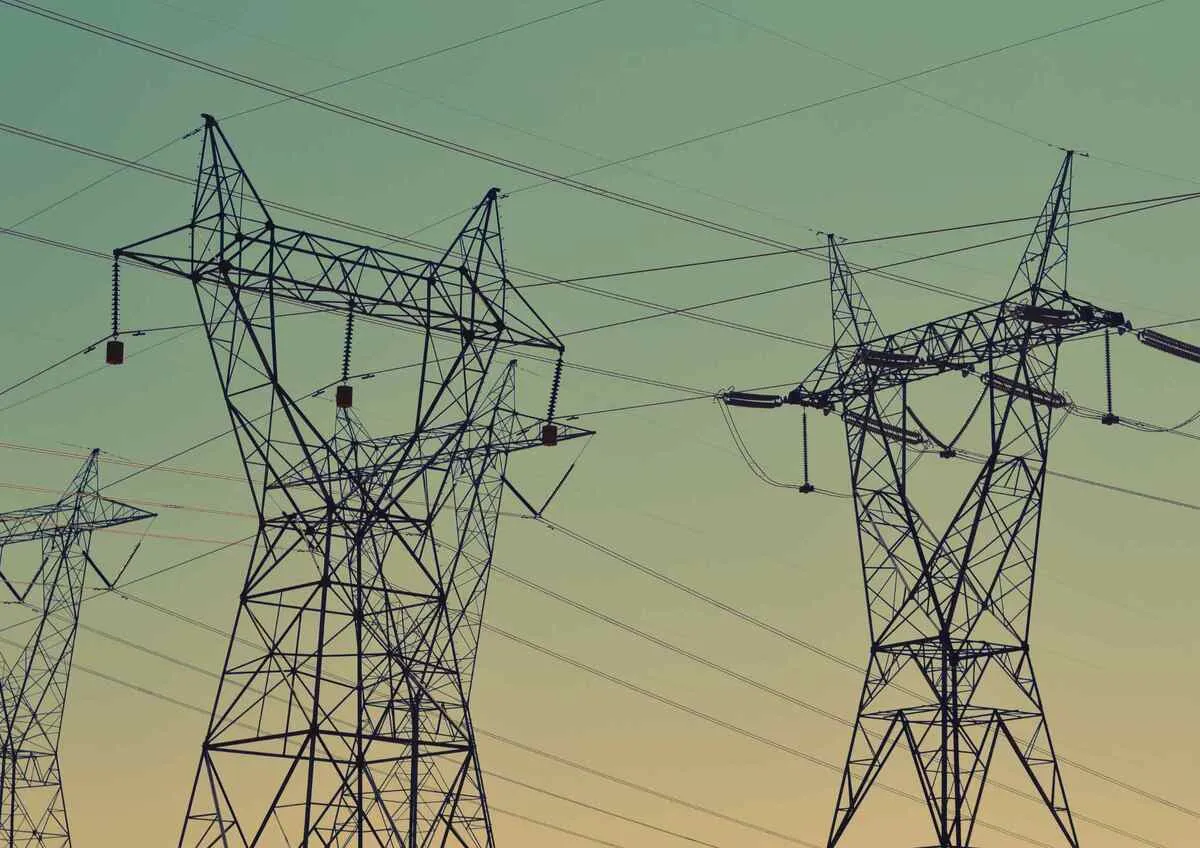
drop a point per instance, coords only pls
(781, 121)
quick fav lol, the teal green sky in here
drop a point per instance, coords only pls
(1114, 634)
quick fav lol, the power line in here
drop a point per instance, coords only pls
(645, 636)
(709, 718)
(620, 781)
(652, 695)
(637, 632)
(721, 723)
(690, 311)
(662, 643)
(1171, 323)
(596, 370)
(88, 348)
(630, 407)
(796, 752)
(288, 94)
(92, 184)
(771, 629)
(894, 81)
(154, 693)
(141, 647)
(682, 652)
(1126, 208)
(362, 117)
(427, 55)
(304, 97)
(557, 828)
(82, 376)
(542, 279)
(693, 394)
(774, 33)
(391, 237)
(883, 270)
(49, 242)
(448, 144)
(355, 77)
(1152, 202)
(585, 805)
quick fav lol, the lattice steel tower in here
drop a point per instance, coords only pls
(33, 686)
(342, 717)
(952, 606)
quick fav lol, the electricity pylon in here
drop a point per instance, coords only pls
(33, 687)
(342, 716)
(949, 674)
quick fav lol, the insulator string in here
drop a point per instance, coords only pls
(804, 442)
(1108, 387)
(348, 345)
(554, 386)
(116, 296)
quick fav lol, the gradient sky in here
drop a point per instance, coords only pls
(1114, 632)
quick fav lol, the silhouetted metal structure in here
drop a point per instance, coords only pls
(33, 686)
(342, 717)
(952, 606)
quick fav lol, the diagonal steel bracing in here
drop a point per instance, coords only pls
(342, 717)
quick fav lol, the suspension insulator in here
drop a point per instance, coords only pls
(344, 396)
(116, 296)
(1166, 344)
(881, 428)
(114, 352)
(751, 400)
(550, 429)
(348, 344)
(1109, 418)
(1033, 394)
(555, 385)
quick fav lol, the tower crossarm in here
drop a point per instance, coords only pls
(433, 449)
(962, 342)
(326, 273)
(43, 522)
(231, 242)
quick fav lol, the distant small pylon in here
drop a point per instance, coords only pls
(33, 685)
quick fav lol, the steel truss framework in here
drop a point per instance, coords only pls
(33, 686)
(950, 675)
(342, 717)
